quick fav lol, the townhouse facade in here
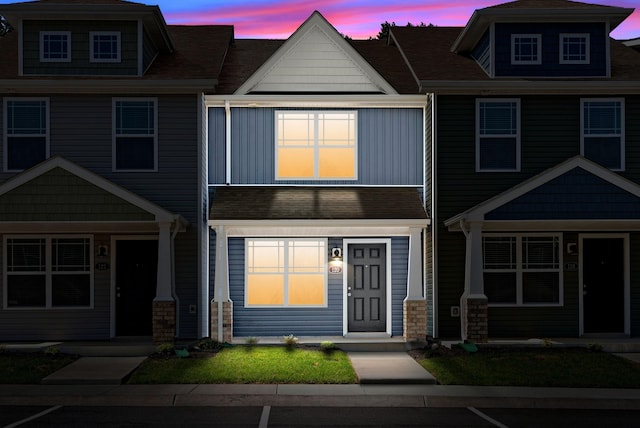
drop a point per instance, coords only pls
(535, 170)
(103, 129)
(177, 182)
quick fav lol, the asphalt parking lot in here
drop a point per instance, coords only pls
(281, 417)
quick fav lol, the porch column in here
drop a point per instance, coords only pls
(473, 303)
(221, 306)
(164, 305)
(415, 305)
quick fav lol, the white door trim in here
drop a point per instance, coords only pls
(345, 279)
(114, 239)
(627, 281)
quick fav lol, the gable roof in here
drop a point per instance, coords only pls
(40, 170)
(610, 187)
(316, 59)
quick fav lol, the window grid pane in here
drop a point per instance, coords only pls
(574, 48)
(316, 145)
(106, 47)
(27, 118)
(526, 49)
(70, 255)
(26, 255)
(55, 46)
(285, 273)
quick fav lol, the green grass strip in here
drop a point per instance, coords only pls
(249, 365)
(576, 368)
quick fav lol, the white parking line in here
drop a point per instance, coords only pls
(487, 418)
(30, 418)
(264, 418)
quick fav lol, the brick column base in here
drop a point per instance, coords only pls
(414, 320)
(477, 319)
(164, 322)
(227, 322)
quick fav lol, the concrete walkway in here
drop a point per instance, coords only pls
(94, 371)
(388, 368)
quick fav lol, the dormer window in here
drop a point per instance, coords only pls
(104, 46)
(526, 49)
(574, 48)
(55, 46)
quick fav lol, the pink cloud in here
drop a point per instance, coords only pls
(357, 18)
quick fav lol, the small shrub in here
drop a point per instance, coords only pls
(166, 348)
(291, 341)
(207, 344)
(251, 341)
(547, 343)
(328, 347)
(595, 347)
(3, 349)
(51, 350)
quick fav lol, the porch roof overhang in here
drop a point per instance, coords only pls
(59, 196)
(577, 194)
(321, 211)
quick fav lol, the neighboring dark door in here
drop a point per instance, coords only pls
(603, 285)
(136, 272)
(367, 288)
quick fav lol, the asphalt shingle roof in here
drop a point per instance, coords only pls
(316, 203)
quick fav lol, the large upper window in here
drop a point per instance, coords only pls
(26, 132)
(135, 134)
(526, 49)
(574, 48)
(104, 46)
(316, 145)
(497, 135)
(522, 269)
(603, 131)
(48, 272)
(55, 46)
(286, 272)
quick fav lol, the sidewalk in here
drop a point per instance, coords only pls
(319, 396)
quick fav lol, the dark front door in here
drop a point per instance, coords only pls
(136, 272)
(367, 288)
(603, 285)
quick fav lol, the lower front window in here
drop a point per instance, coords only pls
(522, 270)
(286, 273)
(48, 272)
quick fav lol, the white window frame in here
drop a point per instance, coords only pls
(515, 38)
(587, 41)
(479, 137)
(67, 57)
(316, 146)
(92, 53)
(285, 272)
(5, 143)
(519, 269)
(621, 135)
(115, 135)
(48, 273)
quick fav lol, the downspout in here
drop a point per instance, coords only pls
(227, 118)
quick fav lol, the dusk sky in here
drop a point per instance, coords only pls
(359, 19)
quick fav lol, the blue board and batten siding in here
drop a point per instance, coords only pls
(248, 322)
(390, 148)
(550, 63)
